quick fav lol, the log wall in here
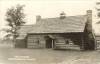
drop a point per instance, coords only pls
(60, 40)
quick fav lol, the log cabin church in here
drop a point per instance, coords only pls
(62, 32)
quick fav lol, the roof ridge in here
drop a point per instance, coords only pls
(27, 25)
(66, 17)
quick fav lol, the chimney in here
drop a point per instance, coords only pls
(89, 20)
(62, 15)
(89, 15)
(38, 18)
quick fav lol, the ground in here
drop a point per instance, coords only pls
(11, 55)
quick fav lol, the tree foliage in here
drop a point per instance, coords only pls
(15, 18)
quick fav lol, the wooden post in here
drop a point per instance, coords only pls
(95, 45)
(82, 45)
(52, 44)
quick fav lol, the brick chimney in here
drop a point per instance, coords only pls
(90, 37)
(89, 20)
(38, 18)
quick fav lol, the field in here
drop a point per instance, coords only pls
(11, 55)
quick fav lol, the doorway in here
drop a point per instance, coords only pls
(49, 42)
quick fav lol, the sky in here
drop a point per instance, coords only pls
(47, 9)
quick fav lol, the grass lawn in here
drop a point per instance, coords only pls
(10, 55)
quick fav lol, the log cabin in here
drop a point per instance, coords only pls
(61, 32)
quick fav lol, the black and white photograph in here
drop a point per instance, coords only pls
(49, 31)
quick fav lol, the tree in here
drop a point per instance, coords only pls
(15, 18)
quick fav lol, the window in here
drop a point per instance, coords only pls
(36, 41)
(67, 42)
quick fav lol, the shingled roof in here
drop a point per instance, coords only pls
(24, 30)
(70, 24)
(57, 25)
